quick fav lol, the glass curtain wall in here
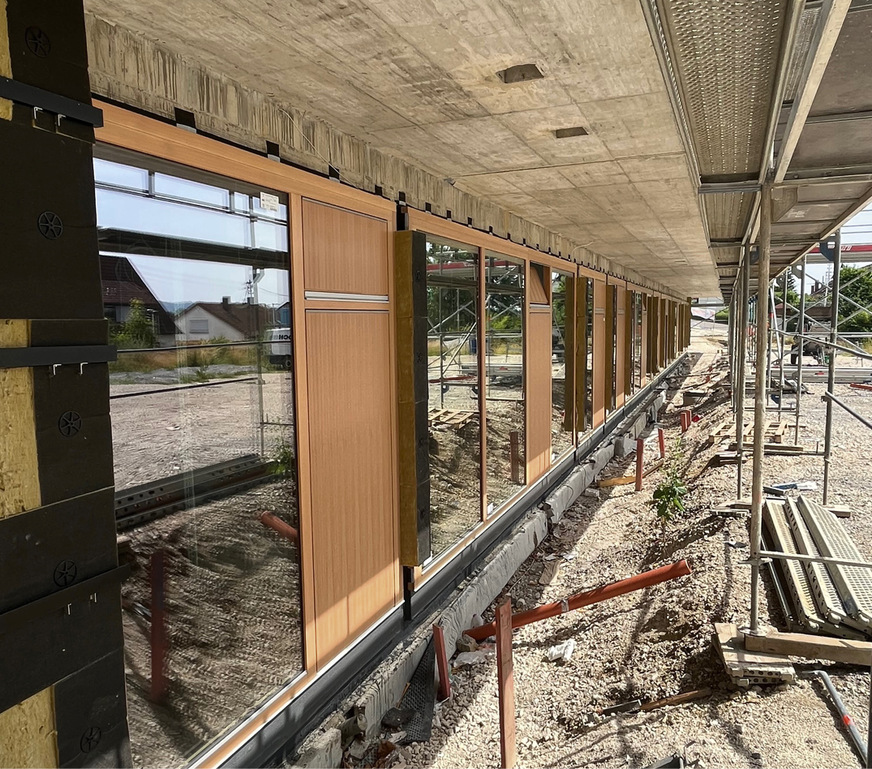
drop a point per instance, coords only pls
(612, 355)
(638, 365)
(561, 356)
(454, 416)
(195, 277)
(504, 367)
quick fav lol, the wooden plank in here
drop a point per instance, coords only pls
(812, 647)
(506, 685)
(344, 251)
(27, 732)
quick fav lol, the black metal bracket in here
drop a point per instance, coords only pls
(62, 599)
(78, 355)
(50, 102)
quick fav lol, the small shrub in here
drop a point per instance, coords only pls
(668, 496)
(284, 461)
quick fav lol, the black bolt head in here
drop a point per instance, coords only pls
(65, 573)
(50, 225)
(37, 42)
(90, 739)
(69, 423)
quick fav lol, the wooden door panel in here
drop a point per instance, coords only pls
(351, 449)
(539, 394)
(344, 251)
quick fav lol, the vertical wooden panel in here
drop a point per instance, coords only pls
(353, 527)
(506, 687)
(344, 251)
(538, 393)
(301, 411)
(599, 352)
(621, 347)
(569, 357)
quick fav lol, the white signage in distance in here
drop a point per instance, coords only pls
(269, 202)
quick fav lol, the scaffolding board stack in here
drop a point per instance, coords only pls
(818, 598)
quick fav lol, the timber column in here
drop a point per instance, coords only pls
(62, 700)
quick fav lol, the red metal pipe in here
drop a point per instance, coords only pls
(640, 459)
(444, 690)
(612, 590)
(279, 526)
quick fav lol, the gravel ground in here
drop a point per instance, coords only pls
(657, 642)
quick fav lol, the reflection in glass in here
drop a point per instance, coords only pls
(637, 341)
(561, 357)
(204, 451)
(612, 353)
(452, 371)
(504, 361)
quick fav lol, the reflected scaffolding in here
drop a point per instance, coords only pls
(453, 403)
(504, 365)
(562, 360)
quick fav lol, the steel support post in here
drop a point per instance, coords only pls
(741, 356)
(831, 376)
(731, 350)
(771, 337)
(782, 339)
(800, 329)
(764, 248)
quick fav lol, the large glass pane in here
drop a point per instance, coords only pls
(638, 366)
(201, 401)
(561, 357)
(504, 366)
(452, 368)
(612, 355)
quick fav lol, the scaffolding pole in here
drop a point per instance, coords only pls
(731, 341)
(800, 329)
(831, 376)
(783, 345)
(742, 341)
(764, 248)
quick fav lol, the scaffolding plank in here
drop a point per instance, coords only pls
(854, 583)
(826, 596)
(797, 580)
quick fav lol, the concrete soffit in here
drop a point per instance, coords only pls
(130, 69)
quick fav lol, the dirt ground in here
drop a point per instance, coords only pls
(657, 642)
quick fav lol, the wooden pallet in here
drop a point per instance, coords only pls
(726, 431)
(450, 417)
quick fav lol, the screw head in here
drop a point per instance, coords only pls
(90, 739)
(50, 225)
(37, 41)
(65, 573)
(69, 423)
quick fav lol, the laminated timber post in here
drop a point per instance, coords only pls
(62, 700)
(764, 248)
(741, 355)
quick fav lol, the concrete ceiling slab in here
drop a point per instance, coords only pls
(418, 80)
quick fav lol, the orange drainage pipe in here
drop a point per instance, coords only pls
(612, 590)
(279, 526)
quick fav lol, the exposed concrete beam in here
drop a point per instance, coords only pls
(838, 117)
(832, 17)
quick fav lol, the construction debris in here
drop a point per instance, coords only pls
(747, 668)
(466, 659)
(813, 647)
(561, 652)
